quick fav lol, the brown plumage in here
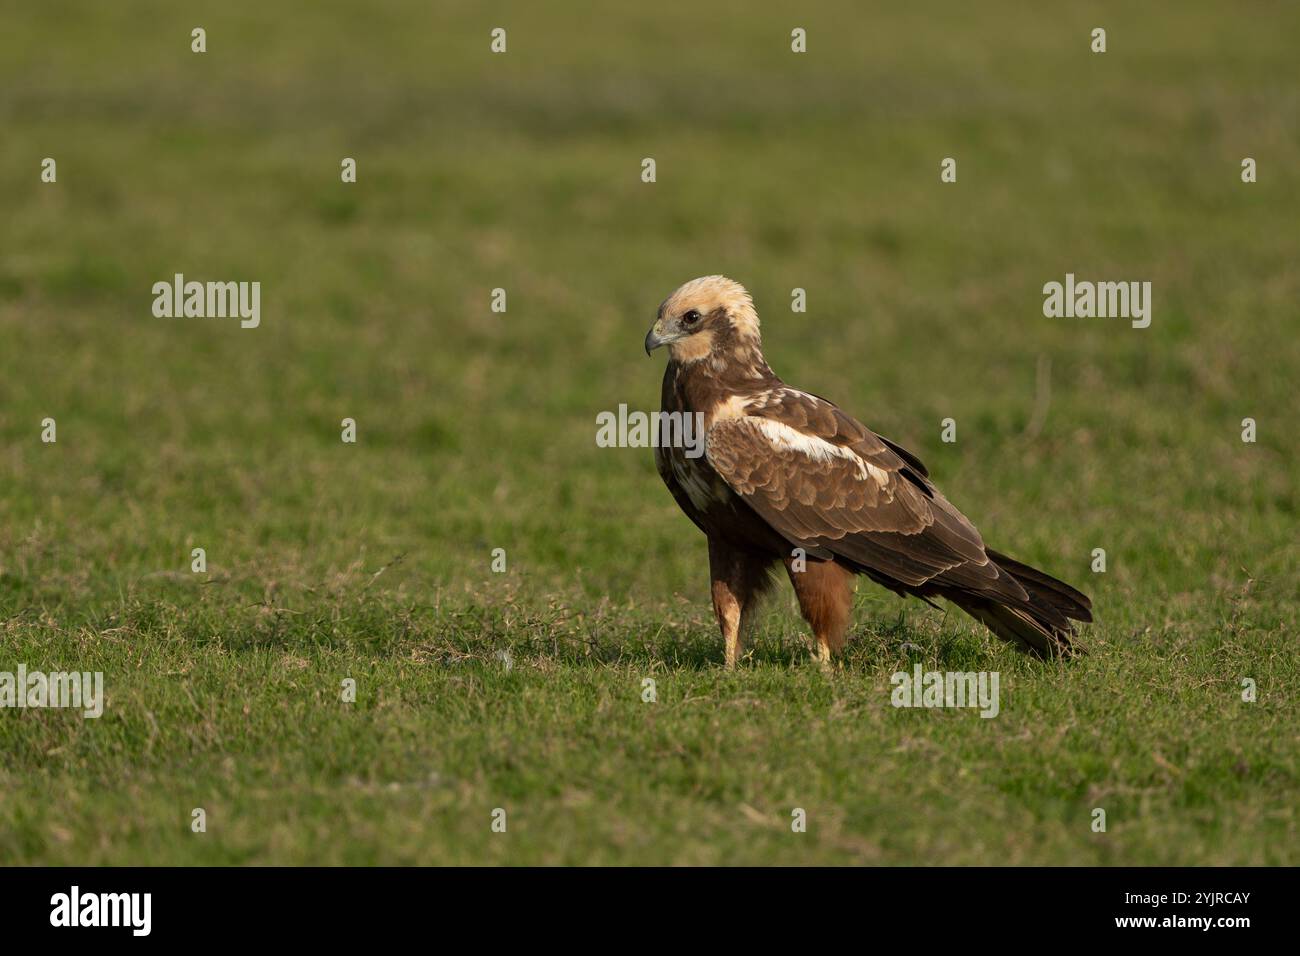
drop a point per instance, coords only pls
(788, 477)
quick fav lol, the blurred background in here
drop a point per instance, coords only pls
(522, 171)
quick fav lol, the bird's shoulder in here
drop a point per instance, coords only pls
(792, 420)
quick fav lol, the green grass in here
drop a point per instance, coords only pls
(477, 430)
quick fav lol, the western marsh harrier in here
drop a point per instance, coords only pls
(786, 476)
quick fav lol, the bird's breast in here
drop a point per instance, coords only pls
(705, 488)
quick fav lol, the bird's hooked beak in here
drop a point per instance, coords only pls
(655, 338)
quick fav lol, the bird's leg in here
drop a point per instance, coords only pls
(727, 607)
(737, 579)
(825, 593)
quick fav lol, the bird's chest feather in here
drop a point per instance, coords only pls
(690, 474)
(709, 502)
(698, 489)
(696, 477)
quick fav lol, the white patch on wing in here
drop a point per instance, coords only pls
(733, 407)
(785, 438)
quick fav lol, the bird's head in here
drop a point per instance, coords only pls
(709, 316)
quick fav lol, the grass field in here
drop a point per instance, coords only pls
(476, 430)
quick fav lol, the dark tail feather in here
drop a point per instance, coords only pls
(1043, 587)
(1041, 624)
(1023, 626)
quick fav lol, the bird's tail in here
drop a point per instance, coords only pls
(1041, 624)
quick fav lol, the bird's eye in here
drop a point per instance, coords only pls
(690, 318)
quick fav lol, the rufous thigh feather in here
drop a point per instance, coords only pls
(825, 592)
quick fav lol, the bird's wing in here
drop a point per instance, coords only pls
(827, 483)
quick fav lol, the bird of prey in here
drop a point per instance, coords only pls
(788, 477)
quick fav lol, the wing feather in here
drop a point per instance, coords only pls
(825, 481)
